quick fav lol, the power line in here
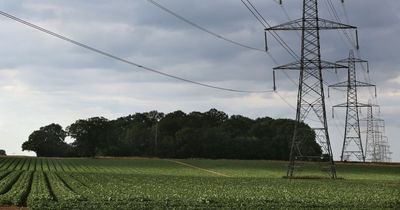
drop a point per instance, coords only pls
(202, 28)
(164, 8)
(351, 40)
(64, 38)
(260, 18)
(284, 100)
(257, 16)
(331, 6)
(265, 24)
(180, 17)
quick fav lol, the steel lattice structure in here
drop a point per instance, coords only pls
(377, 145)
(311, 97)
(352, 143)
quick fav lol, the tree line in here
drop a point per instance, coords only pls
(211, 134)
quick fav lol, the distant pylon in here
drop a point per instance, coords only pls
(377, 144)
(311, 96)
(352, 143)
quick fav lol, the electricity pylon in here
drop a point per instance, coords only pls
(377, 145)
(311, 97)
(352, 143)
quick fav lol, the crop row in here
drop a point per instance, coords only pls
(148, 184)
(62, 165)
(40, 189)
(19, 190)
(8, 181)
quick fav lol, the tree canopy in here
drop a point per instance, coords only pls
(211, 134)
(48, 141)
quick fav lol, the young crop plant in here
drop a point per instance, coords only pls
(19, 191)
(4, 174)
(15, 164)
(131, 183)
(79, 186)
(7, 182)
(40, 194)
(9, 164)
(22, 164)
(3, 162)
(62, 191)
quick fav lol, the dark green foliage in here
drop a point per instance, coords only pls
(2, 152)
(212, 134)
(48, 141)
(90, 136)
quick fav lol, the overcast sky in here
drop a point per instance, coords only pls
(45, 80)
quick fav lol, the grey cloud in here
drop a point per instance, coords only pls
(52, 81)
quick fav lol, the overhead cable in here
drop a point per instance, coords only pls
(202, 28)
(64, 38)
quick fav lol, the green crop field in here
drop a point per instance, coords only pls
(139, 183)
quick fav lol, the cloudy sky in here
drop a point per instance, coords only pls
(45, 80)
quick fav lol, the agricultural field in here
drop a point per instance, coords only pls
(139, 183)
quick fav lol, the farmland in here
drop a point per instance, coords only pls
(139, 183)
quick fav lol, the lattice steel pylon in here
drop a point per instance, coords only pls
(377, 145)
(311, 96)
(352, 143)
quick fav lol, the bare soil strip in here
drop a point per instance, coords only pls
(203, 169)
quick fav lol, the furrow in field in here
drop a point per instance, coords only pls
(54, 165)
(7, 182)
(4, 174)
(15, 165)
(2, 160)
(40, 193)
(78, 167)
(32, 167)
(19, 192)
(62, 191)
(4, 163)
(28, 166)
(41, 164)
(67, 166)
(78, 186)
(47, 165)
(21, 164)
(61, 165)
(11, 163)
(91, 166)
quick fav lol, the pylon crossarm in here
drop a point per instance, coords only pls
(352, 60)
(297, 66)
(340, 85)
(328, 24)
(322, 25)
(281, 1)
(364, 84)
(362, 105)
(291, 66)
(345, 84)
(292, 25)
